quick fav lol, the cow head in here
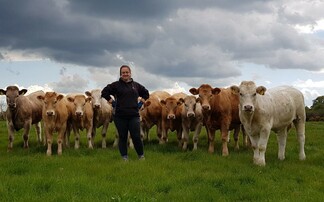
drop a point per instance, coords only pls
(248, 95)
(170, 104)
(190, 103)
(50, 100)
(79, 102)
(12, 93)
(95, 96)
(206, 93)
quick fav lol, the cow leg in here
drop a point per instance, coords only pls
(300, 130)
(262, 145)
(89, 137)
(196, 136)
(236, 138)
(104, 135)
(60, 140)
(49, 140)
(77, 138)
(164, 137)
(185, 137)
(38, 128)
(282, 139)
(246, 140)
(10, 136)
(93, 134)
(179, 137)
(254, 143)
(67, 134)
(224, 134)
(211, 138)
(26, 133)
(159, 131)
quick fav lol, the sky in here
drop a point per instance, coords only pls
(72, 46)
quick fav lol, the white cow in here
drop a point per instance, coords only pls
(262, 111)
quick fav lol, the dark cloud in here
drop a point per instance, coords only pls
(185, 39)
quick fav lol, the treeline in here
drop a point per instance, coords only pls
(316, 111)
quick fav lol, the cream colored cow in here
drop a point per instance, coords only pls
(263, 110)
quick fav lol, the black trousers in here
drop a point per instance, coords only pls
(131, 124)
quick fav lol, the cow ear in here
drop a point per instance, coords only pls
(88, 93)
(181, 100)
(235, 89)
(198, 100)
(193, 91)
(163, 102)
(40, 97)
(70, 99)
(147, 103)
(261, 90)
(60, 97)
(2, 92)
(88, 99)
(22, 91)
(215, 91)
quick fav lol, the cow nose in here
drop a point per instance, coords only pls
(171, 116)
(191, 114)
(50, 113)
(248, 108)
(97, 106)
(78, 113)
(12, 105)
(205, 107)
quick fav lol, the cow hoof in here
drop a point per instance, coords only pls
(259, 162)
(302, 157)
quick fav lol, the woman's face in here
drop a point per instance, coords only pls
(125, 73)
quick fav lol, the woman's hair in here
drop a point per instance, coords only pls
(124, 66)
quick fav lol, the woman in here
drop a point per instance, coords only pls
(126, 92)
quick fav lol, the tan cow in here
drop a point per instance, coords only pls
(171, 116)
(192, 120)
(82, 117)
(220, 110)
(151, 114)
(55, 119)
(22, 112)
(102, 114)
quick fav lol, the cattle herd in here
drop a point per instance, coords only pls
(251, 109)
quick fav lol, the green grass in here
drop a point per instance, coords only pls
(167, 174)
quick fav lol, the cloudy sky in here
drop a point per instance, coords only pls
(77, 45)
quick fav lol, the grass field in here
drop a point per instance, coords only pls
(167, 174)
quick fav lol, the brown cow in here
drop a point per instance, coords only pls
(192, 120)
(55, 118)
(220, 110)
(171, 116)
(82, 117)
(151, 114)
(102, 114)
(22, 112)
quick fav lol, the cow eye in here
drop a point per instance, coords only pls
(241, 94)
(254, 94)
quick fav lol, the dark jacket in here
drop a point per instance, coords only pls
(126, 95)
